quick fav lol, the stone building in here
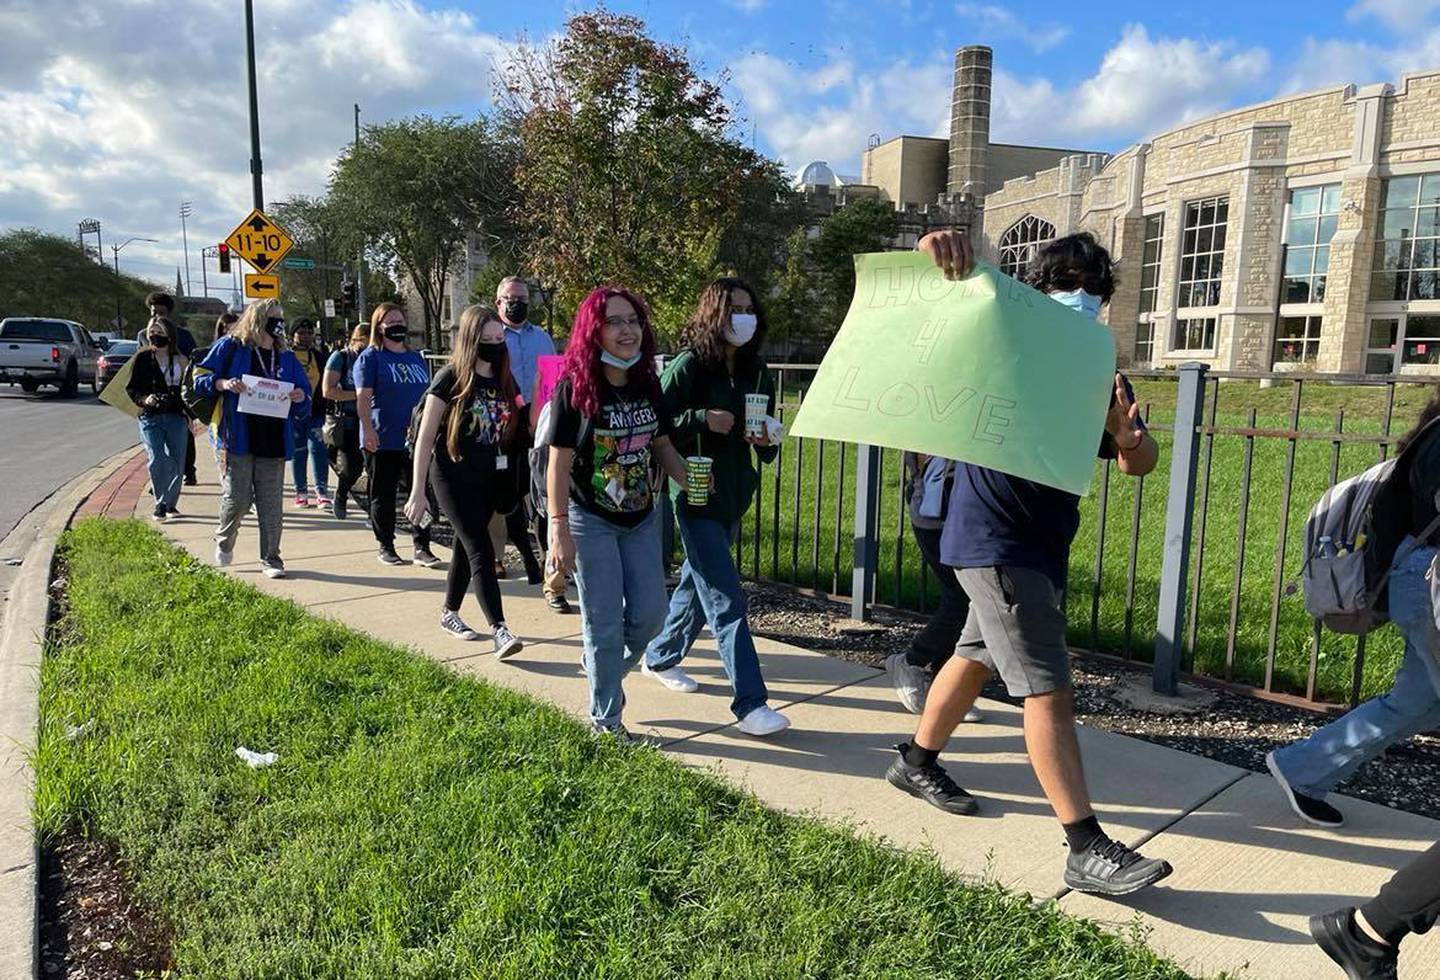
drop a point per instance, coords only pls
(1302, 232)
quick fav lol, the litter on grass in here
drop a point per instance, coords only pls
(256, 760)
(73, 732)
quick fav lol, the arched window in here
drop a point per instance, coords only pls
(1020, 243)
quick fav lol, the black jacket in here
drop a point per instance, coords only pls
(148, 378)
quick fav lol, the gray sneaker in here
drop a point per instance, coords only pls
(1108, 867)
(507, 644)
(911, 683)
(451, 623)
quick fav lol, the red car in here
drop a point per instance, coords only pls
(113, 359)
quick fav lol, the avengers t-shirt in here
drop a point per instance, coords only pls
(611, 474)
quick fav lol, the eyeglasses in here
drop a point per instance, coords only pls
(616, 322)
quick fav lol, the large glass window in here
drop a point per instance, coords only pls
(1202, 255)
(1297, 340)
(1380, 351)
(1144, 342)
(1020, 243)
(1422, 340)
(1195, 333)
(1407, 261)
(1396, 341)
(1150, 262)
(1314, 213)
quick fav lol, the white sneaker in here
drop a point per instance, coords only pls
(911, 683)
(223, 557)
(506, 643)
(974, 716)
(763, 721)
(672, 677)
(272, 569)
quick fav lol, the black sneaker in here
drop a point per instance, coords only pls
(172, 511)
(159, 514)
(337, 508)
(559, 604)
(932, 784)
(1108, 867)
(425, 558)
(1356, 953)
(387, 556)
(191, 480)
(1307, 808)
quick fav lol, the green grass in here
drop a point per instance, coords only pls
(419, 824)
(1121, 604)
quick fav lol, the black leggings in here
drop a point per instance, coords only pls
(385, 469)
(348, 462)
(465, 501)
(1410, 901)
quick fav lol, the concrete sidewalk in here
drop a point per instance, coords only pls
(1248, 873)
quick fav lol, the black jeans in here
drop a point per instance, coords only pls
(465, 500)
(935, 643)
(385, 468)
(348, 462)
(1410, 901)
(189, 453)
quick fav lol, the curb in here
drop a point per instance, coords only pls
(22, 641)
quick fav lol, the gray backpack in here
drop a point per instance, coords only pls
(1344, 573)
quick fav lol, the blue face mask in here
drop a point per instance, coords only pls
(608, 358)
(1079, 301)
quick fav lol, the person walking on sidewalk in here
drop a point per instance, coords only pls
(1009, 540)
(705, 390)
(253, 446)
(390, 380)
(162, 305)
(928, 480)
(309, 440)
(155, 388)
(342, 424)
(1365, 942)
(1308, 770)
(468, 448)
(608, 429)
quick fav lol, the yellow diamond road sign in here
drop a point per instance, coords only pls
(260, 241)
(262, 286)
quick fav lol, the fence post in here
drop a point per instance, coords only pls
(1179, 512)
(867, 532)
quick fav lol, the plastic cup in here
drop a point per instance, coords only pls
(755, 406)
(697, 480)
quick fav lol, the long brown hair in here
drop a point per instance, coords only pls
(705, 333)
(377, 317)
(464, 360)
(1430, 412)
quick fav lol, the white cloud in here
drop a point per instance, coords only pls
(144, 105)
(1399, 15)
(992, 22)
(1326, 62)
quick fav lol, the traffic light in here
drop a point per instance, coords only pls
(347, 292)
(224, 257)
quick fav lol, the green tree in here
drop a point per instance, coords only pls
(415, 190)
(628, 171)
(49, 275)
(319, 235)
(815, 288)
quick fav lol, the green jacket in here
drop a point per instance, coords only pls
(689, 391)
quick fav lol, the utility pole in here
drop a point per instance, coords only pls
(256, 168)
(360, 257)
(185, 212)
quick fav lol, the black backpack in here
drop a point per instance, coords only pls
(197, 406)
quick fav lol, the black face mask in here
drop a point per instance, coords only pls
(276, 326)
(492, 354)
(397, 333)
(159, 340)
(516, 310)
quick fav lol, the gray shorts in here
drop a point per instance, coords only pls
(1016, 627)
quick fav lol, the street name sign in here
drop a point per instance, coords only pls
(298, 263)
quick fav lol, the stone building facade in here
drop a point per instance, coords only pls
(1302, 233)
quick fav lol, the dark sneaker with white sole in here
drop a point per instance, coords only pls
(507, 644)
(1108, 867)
(387, 556)
(451, 623)
(932, 784)
(426, 558)
(1354, 952)
(559, 604)
(1307, 808)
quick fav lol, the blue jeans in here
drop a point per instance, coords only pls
(310, 445)
(164, 439)
(1331, 755)
(621, 582)
(710, 590)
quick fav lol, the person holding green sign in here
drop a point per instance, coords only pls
(1009, 539)
(705, 390)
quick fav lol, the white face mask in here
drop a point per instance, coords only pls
(741, 329)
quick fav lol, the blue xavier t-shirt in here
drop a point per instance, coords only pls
(998, 519)
(398, 382)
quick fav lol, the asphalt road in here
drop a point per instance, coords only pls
(46, 440)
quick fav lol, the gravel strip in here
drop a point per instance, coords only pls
(1231, 728)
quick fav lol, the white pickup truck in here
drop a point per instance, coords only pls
(37, 351)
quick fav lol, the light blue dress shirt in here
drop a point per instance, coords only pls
(527, 343)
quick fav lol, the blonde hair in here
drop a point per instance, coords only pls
(251, 324)
(377, 317)
(360, 332)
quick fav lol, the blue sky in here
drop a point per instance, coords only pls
(120, 109)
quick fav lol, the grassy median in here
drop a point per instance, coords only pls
(421, 824)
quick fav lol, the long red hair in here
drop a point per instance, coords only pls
(582, 353)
